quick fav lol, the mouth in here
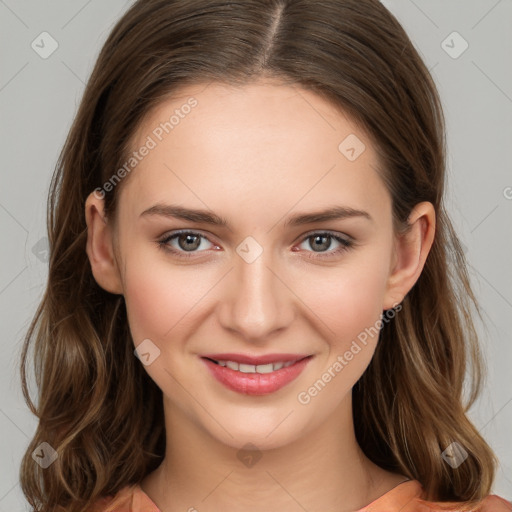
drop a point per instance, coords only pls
(256, 375)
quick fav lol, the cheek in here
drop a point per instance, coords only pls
(350, 304)
(347, 300)
(160, 297)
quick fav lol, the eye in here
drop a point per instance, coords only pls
(323, 242)
(186, 242)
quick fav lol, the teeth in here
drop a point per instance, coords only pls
(265, 368)
(251, 368)
(246, 368)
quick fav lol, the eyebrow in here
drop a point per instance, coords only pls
(208, 217)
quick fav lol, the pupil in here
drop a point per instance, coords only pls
(324, 244)
(189, 238)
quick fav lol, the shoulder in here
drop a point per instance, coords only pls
(491, 503)
(495, 503)
(406, 497)
(129, 499)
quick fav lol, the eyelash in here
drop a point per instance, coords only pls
(345, 244)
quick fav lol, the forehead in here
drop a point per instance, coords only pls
(225, 146)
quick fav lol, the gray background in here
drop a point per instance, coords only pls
(39, 97)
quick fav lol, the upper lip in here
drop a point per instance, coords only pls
(256, 360)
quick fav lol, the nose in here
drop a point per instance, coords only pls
(257, 302)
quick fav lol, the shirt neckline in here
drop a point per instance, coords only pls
(395, 492)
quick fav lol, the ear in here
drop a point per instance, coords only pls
(100, 245)
(410, 253)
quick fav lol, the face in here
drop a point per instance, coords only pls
(269, 285)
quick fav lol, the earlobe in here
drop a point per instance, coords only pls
(100, 246)
(411, 251)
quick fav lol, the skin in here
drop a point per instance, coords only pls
(256, 155)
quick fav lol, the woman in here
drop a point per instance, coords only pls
(251, 201)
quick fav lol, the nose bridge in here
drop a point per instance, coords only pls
(259, 302)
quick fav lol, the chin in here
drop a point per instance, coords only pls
(260, 431)
(251, 439)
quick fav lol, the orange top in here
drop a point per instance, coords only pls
(404, 497)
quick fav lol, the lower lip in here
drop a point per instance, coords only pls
(256, 383)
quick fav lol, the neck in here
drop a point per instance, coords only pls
(323, 470)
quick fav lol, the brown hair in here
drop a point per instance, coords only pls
(94, 396)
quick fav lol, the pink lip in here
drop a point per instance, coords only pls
(256, 383)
